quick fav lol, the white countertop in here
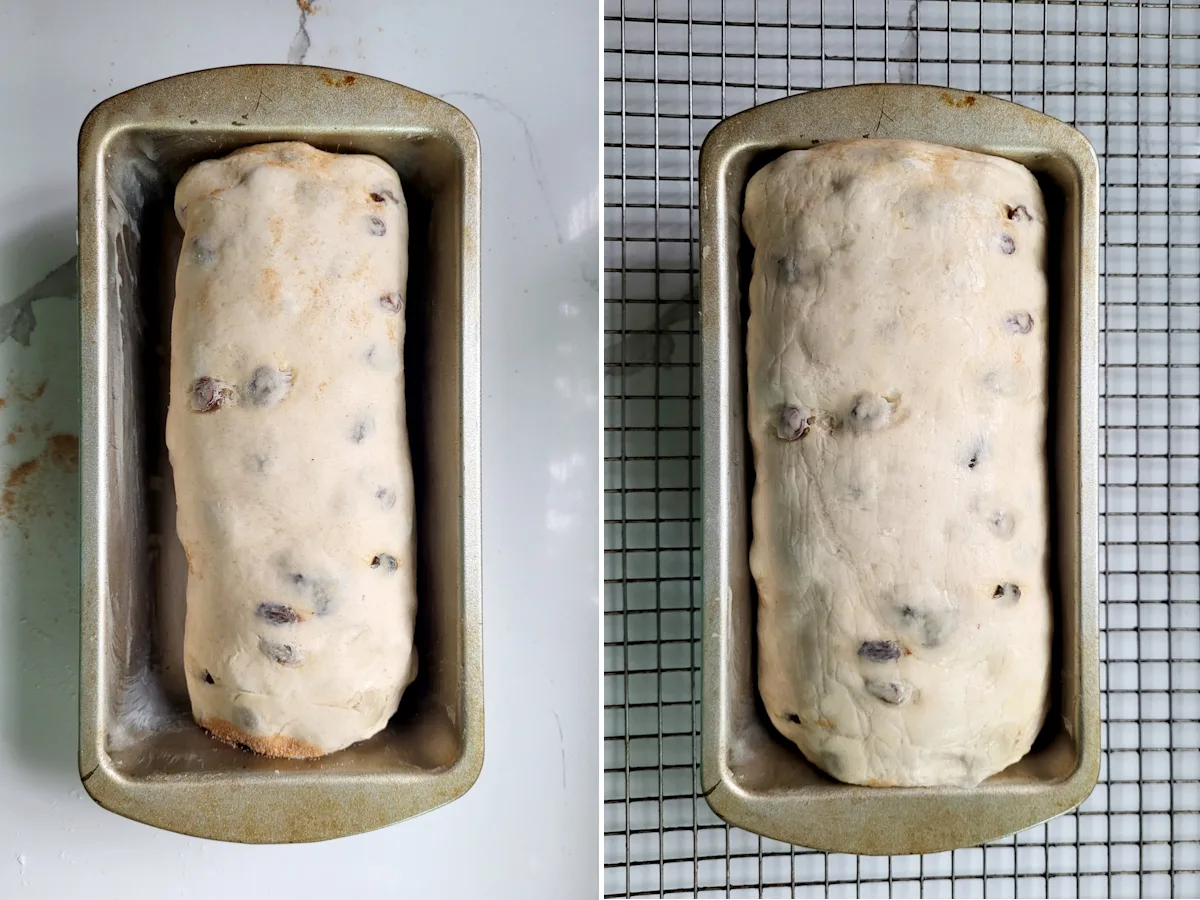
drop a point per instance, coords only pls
(528, 81)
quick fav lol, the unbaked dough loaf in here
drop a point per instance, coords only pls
(287, 438)
(897, 408)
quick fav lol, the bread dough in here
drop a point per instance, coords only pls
(897, 408)
(287, 437)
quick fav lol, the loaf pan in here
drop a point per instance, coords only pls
(753, 777)
(140, 754)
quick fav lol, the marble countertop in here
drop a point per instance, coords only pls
(528, 80)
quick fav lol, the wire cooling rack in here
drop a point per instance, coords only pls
(1125, 74)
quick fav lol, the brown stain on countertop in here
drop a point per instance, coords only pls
(63, 451)
(25, 487)
(28, 396)
(307, 7)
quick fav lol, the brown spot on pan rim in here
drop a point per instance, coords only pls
(344, 81)
(277, 745)
(957, 102)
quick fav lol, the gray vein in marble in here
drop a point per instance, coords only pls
(644, 350)
(535, 160)
(562, 747)
(908, 70)
(587, 271)
(301, 42)
(16, 316)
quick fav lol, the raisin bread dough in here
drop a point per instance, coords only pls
(897, 409)
(287, 437)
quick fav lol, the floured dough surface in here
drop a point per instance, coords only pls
(287, 437)
(897, 408)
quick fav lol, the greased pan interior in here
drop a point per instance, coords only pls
(140, 755)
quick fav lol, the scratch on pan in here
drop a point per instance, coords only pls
(16, 317)
(535, 160)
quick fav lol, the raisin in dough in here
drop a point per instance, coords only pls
(897, 405)
(287, 437)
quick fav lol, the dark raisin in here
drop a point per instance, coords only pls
(928, 627)
(284, 654)
(831, 763)
(385, 561)
(363, 429)
(879, 651)
(1018, 322)
(870, 413)
(1007, 245)
(1001, 524)
(268, 385)
(208, 679)
(975, 454)
(322, 600)
(792, 717)
(376, 226)
(793, 423)
(277, 613)
(202, 252)
(317, 591)
(380, 196)
(386, 497)
(893, 692)
(1018, 213)
(209, 394)
(245, 719)
(1008, 592)
(391, 302)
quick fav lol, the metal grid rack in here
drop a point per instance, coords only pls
(1128, 76)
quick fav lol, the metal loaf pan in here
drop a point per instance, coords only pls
(140, 754)
(751, 776)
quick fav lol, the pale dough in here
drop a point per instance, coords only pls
(287, 437)
(897, 408)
